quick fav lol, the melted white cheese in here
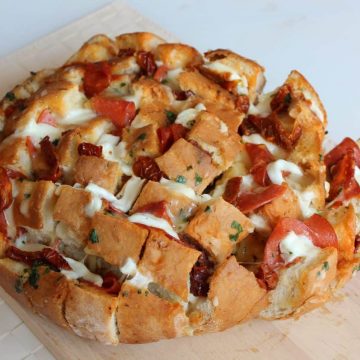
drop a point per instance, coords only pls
(305, 199)
(11, 225)
(257, 139)
(78, 116)
(184, 190)
(129, 193)
(135, 98)
(153, 221)
(262, 107)
(260, 223)
(129, 268)
(24, 207)
(38, 131)
(80, 271)
(315, 107)
(276, 168)
(294, 246)
(187, 117)
(219, 67)
(357, 175)
(140, 281)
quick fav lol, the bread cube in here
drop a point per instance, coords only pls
(218, 226)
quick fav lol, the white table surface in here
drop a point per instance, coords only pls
(318, 37)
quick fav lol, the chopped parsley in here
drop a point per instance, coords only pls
(123, 84)
(325, 266)
(356, 268)
(171, 116)
(190, 123)
(235, 225)
(181, 179)
(141, 137)
(165, 81)
(19, 283)
(184, 215)
(320, 157)
(208, 209)
(93, 237)
(10, 96)
(198, 179)
(125, 293)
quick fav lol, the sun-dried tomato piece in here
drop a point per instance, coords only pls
(123, 53)
(232, 189)
(89, 149)
(146, 61)
(52, 171)
(14, 174)
(19, 105)
(97, 78)
(146, 167)
(260, 157)
(242, 103)
(46, 256)
(52, 257)
(182, 95)
(272, 130)
(111, 283)
(5, 190)
(169, 134)
(282, 99)
(200, 274)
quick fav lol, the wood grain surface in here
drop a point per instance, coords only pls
(332, 332)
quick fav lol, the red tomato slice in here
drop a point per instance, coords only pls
(340, 150)
(248, 202)
(5, 190)
(97, 78)
(3, 223)
(30, 146)
(46, 117)
(161, 73)
(272, 251)
(158, 209)
(260, 157)
(120, 112)
(325, 233)
(89, 149)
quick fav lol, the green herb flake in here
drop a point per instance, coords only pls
(181, 179)
(139, 291)
(141, 137)
(122, 84)
(56, 142)
(165, 81)
(320, 157)
(34, 277)
(93, 237)
(10, 96)
(171, 116)
(356, 268)
(235, 225)
(198, 179)
(190, 123)
(125, 293)
(208, 209)
(325, 266)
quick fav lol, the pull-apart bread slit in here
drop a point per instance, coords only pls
(149, 191)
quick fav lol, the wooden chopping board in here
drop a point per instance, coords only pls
(332, 332)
